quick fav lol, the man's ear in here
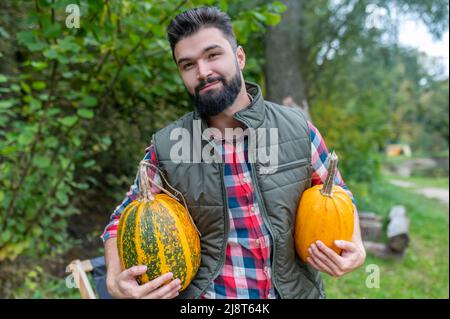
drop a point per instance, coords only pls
(240, 55)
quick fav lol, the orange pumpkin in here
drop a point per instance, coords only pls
(325, 213)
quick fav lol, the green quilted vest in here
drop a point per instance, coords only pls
(277, 194)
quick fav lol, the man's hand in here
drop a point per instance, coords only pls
(124, 285)
(327, 260)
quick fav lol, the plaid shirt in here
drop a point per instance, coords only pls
(246, 271)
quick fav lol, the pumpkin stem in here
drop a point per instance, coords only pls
(332, 168)
(146, 194)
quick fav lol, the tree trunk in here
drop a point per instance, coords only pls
(284, 80)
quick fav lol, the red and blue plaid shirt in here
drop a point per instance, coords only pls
(246, 271)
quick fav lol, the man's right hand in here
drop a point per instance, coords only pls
(124, 285)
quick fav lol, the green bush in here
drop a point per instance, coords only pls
(78, 113)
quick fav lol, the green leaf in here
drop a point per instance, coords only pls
(65, 162)
(76, 141)
(68, 120)
(25, 138)
(278, 6)
(62, 198)
(3, 78)
(52, 30)
(28, 39)
(39, 65)
(89, 163)
(85, 113)
(25, 87)
(35, 104)
(106, 140)
(272, 18)
(37, 46)
(82, 186)
(224, 5)
(8, 150)
(25, 37)
(43, 97)
(51, 142)
(53, 112)
(51, 54)
(39, 85)
(41, 161)
(6, 104)
(89, 101)
(6, 235)
(69, 44)
(259, 16)
(15, 88)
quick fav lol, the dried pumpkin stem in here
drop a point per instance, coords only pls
(332, 168)
(145, 183)
(145, 191)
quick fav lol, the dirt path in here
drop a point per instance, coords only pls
(441, 194)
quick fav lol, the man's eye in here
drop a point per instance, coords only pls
(187, 66)
(213, 55)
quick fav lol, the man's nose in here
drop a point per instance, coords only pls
(204, 71)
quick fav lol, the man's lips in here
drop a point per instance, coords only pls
(209, 85)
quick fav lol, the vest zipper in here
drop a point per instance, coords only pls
(264, 212)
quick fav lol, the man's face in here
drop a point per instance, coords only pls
(210, 69)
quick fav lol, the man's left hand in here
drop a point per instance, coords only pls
(327, 260)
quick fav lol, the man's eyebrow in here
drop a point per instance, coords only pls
(211, 47)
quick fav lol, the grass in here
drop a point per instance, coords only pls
(423, 272)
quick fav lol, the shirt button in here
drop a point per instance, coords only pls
(270, 296)
(246, 180)
(266, 271)
(252, 208)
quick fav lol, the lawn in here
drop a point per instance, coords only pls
(423, 272)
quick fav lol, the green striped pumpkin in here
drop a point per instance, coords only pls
(159, 234)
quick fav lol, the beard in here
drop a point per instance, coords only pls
(215, 100)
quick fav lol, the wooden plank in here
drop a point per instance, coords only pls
(81, 279)
(371, 226)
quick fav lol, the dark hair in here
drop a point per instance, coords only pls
(192, 20)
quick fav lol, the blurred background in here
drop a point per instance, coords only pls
(78, 105)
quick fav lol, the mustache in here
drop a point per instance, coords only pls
(203, 83)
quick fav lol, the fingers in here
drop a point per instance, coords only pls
(345, 245)
(321, 262)
(166, 292)
(319, 266)
(325, 259)
(317, 253)
(133, 272)
(154, 284)
(330, 253)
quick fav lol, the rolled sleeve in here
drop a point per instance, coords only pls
(319, 156)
